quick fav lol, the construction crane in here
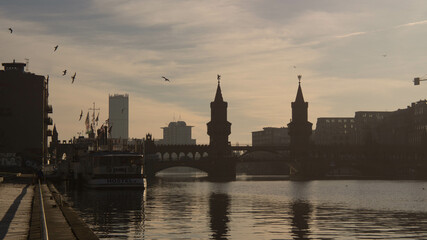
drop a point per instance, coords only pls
(417, 80)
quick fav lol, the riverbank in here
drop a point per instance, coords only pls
(20, 211)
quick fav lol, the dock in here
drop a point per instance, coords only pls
(21, 215)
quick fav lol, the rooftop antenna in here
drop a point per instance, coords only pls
(27, 62)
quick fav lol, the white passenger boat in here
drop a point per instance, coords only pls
(113, 170)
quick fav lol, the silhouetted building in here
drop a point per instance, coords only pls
(119, 116)
(405, 126)
(223, 167)
(402, 127)
(271, 136)
(335, 131)
(300, 128)
(24, 117)
(219, 128)
(177, 133)
(367, 124)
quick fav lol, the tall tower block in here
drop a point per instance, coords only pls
(24, 118)
(223, 168)
(119, 115)
(219, 128)
(299, 130)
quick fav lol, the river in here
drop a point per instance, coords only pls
(176, 206)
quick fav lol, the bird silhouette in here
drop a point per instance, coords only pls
(167, 80)
(64, 72)
(11, 30)
(81, 115)
(73, 77)
(55, 48)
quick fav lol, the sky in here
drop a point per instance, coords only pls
(352, 55)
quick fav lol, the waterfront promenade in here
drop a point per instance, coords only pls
(20, 212)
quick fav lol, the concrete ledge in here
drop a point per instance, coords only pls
(79, 228)
(35, 232)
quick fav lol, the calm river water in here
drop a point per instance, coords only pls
(176, 207)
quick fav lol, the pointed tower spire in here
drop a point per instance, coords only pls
(219, 127)
(299, 97)
(218, 95)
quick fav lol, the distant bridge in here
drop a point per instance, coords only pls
(322, 161)
(197, 156)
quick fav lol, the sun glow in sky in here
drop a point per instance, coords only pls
(353, 56)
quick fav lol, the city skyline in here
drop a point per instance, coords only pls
(352, 57)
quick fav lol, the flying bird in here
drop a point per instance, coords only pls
(73, 77)
(11, 30)
(167, 80)
(56, 47)
(81, 115)
(64, 72)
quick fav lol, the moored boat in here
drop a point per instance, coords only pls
(113, 170)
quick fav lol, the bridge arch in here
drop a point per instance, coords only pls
(259, 154)
(161, 169)
(185, 156)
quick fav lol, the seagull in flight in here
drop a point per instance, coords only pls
(73, 77)
(81, 115)
(56, 47)
(64, 72)
(166, 79)
(11, 30)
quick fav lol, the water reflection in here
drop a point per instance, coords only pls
(113, 213)
(197, 209)
(301, 212)
(219, 204)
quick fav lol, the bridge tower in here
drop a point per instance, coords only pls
(299, 131)
(223, 167)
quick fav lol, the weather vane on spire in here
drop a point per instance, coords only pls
(218, 77)
(299, 79)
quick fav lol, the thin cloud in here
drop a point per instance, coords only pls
(412, 24)
(398, 26)
(351, 34)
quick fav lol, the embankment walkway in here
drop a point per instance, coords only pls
(20, 212)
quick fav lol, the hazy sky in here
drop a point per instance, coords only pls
(353, 56)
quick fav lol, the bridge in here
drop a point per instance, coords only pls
(217, 159)
(197, 156)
